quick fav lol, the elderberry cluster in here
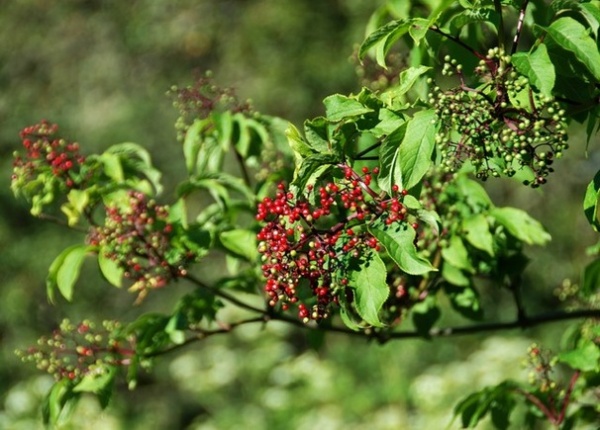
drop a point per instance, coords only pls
(501, 124)
(541, 365)
(138, 236)
(306, 242)
(200, 99)
(76, 350)
(47, 156)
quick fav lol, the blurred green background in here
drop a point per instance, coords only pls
(100, 69)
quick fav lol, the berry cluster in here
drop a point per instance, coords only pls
(46, 153)
(202, 98)
(501, 125)
(541, 365)
(306, 246)
(76, 350)
(137, 236)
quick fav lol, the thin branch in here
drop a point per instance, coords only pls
(539, 404)
(222, 294)
(501, 38)
(456, 40)
(243, 168)
(567, 399)
(519, 27)
(368, 149)
(61, 222)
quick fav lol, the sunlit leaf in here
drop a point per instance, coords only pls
(371, 289)
(574, 37)
(399, 244)
(521, 225)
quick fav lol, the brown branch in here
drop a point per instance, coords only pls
(567, 398)
(540, 405)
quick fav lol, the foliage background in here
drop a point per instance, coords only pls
(101, 70)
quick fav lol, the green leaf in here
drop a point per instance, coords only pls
(574, 37)
(521, 225)
(499, 399)
(381, 39)
(370, 287)
(135, 161)
(316, 132)
(586, 357)
(97, 380)
(425, 314)
(112, 167)
(418, 29)
(416, 149)
(175, 328)
(473, 192)
(591, 278)
(478, 233)
(59, 403)
(538, 67)
(408, 78)
(348, 318)
(192, 142)
(591, 202)
(77, 202)
(64, 271)
(241, 242)
(457, 255)
(454, 275)
(339, 107)
(399, 244)
(465, 300)
(311, 168)
(110, 270)
(389, 167)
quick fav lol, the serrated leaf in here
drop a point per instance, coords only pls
(538, 68)
(399, 244)
(574, 37)
(241, 242)
(110, 270)
(339, 107)
(521, 225)
(586, 357)
(416, 148)
(591, 202)
(370, 287)
(478, 233)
